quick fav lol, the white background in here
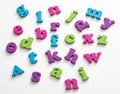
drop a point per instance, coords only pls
(104, 77)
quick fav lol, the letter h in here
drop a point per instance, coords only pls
(71, 56)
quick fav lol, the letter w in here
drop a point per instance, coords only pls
(92, 56)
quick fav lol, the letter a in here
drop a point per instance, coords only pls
(16, 71)
(56, 72)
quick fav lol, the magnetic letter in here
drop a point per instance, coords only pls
(92, 56)
(56, 72)
(94, 13)
(70, 39)
(71, 56)
(72, 16)
(16, 71)
(54, 26)
(36, 77)
(107, 23)
(53, 57)
(40, 34)
(39, 16)
(68, 83)
(11, 47)
(80, 25)
(102, 40)
(88, 38)
(32, 56)
(54, 10)
(18, 30)
(22, 11)
(54, 40)
(26, 43)
(83, 74)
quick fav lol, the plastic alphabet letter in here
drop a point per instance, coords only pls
(36, 77)
(11, 47)
(54, 25)
(83, 74)
(54, 10)
(80, 25)
(72, 16)
(26, 43)
(71, 56)
(40, 34)
(102, 40)
(92, 56)
(94, 13)
(39, 17)
(22, 11)
(88, 38)
(16, 71)
(53, 57)
(18, 30)
(54, 40)
(68, 83)
(56, 72)
(32, 56)
(70, 39)
(107, 23)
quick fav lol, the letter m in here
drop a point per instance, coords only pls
(94, 13)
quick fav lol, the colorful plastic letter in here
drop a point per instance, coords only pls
(11, 47)
(40, 34)
(94, 13)
(107, 23)
(56, 72)
(71, 56)
(92, 56)
(54, 26)
(80, 25)
(68, 83)
(54, 40)
(53, 57)
(16, 71)
(39, 17)
(26, 43)
(102, 40)
(83, 74)
(22, 11)
(70, 39)
(18, 30)
(72, 16)
(54, 10)
(36, 77)
(32, 56)
(88, 38)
